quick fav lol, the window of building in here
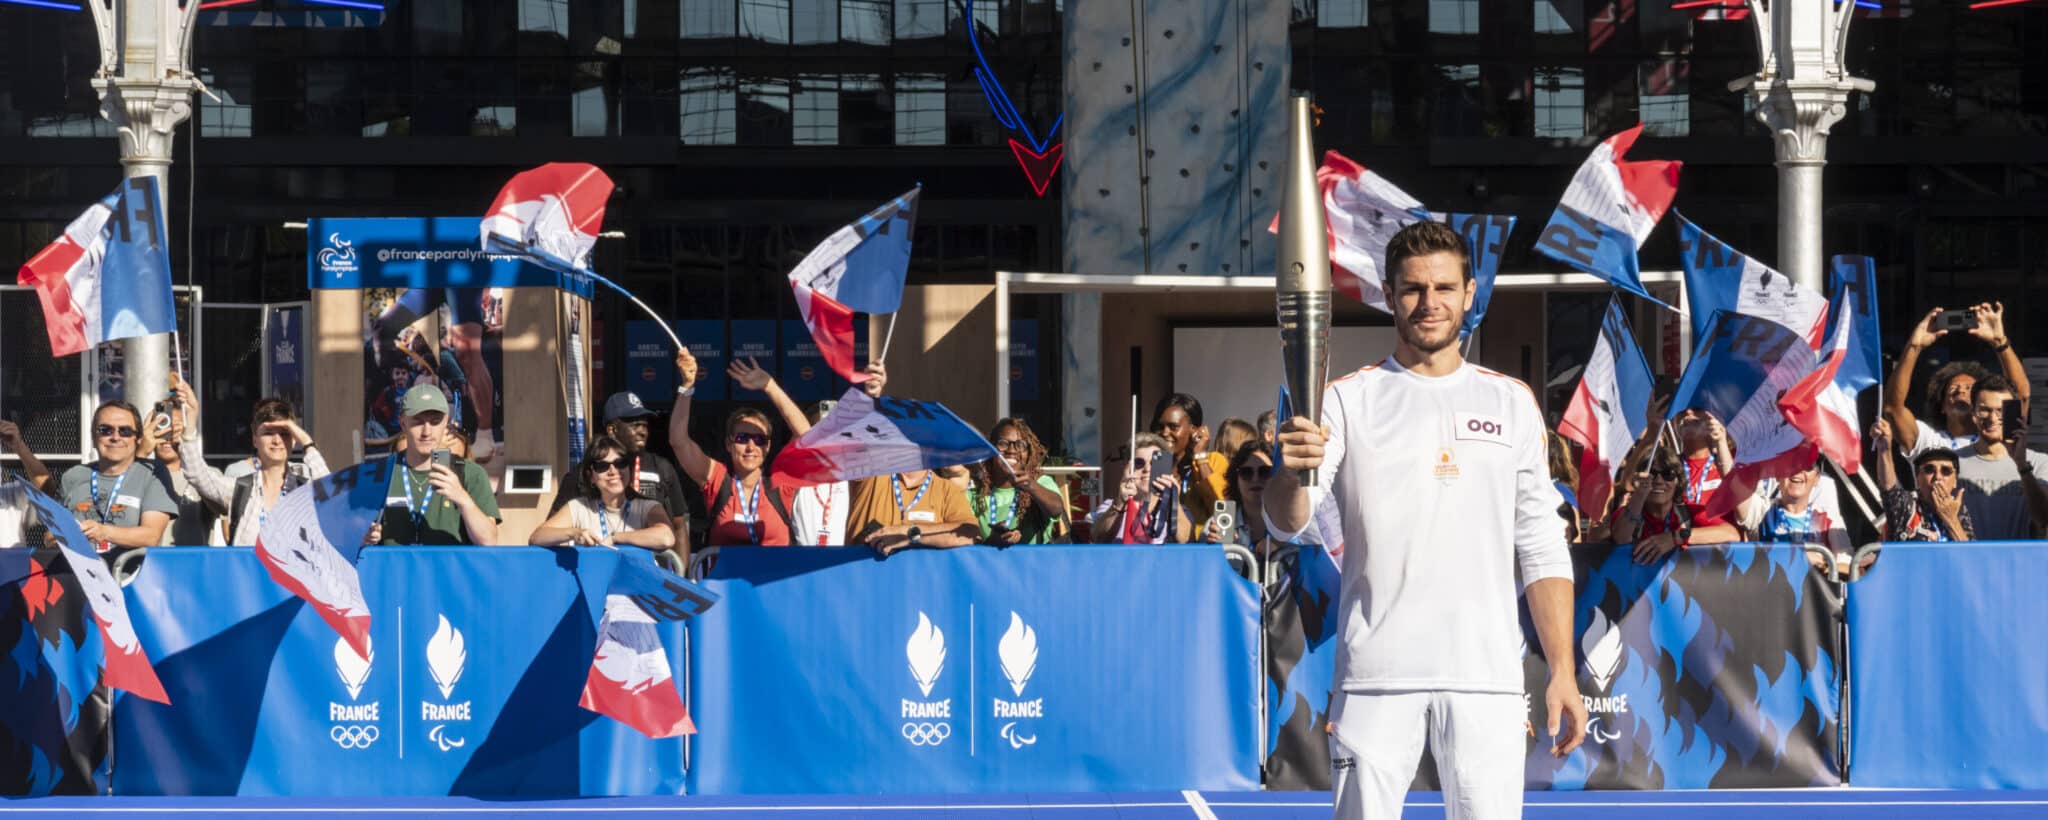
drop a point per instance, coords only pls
(1558, 16)
(815, 111)
(1335, 13)
(765, 20)
(1560, 97)
(866, 115)
(764, 113)
(590, 105)
(920, 109)
(812, 22)
(864, 21)
(707, 106)
(1665, 103)
(919, 19)
(230, 116)
(709, 19)
(494, 121)
(545, 16)
(1454, 16)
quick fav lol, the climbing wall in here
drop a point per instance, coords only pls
(1175, 122)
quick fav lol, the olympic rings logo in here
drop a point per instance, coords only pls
(353, 737)
(926, 734)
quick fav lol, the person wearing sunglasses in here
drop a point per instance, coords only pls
(741, 499)
(1251, 466)
(1654, 516)
(628, 421)
(608, 513)
(1147, 508)
(1930, 510)
(1012, 500)
(119, 502)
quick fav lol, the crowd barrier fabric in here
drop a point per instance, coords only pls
(1949, 667)
(54, 720)
(1045, 668)
(478, 658)
(1714, 668)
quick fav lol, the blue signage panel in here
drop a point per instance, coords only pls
(804, 374)
(1024, 360)
(706, 338)
(1056, 669)
(418, 252)
(755, 339)
(650, 361)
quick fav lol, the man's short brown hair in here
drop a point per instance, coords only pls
(1422, 239)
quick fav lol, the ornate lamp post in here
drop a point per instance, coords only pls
(1801, 91)
(145, 85)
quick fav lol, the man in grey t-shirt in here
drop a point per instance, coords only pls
(119, 501)
(2001, 492)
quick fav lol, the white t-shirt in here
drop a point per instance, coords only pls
(1931, 438)
(820, 508)
(589, 515)
(1444, 493)
(14, 513)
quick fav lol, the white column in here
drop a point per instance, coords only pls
(145, 86)
(1801, 91)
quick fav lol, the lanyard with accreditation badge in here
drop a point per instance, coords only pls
(417, 510)
(106, 511)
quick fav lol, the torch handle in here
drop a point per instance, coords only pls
(1305, 351)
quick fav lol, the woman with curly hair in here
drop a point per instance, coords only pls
(1013, 501)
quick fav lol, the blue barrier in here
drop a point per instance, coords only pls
(1053, 669)
(478, 656)
(1949, 672)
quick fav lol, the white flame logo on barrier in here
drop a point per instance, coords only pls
(927, 653)
(1602, 643)
(1018, 651)
(353, 668)
(446, 656)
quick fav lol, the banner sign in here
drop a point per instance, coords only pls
(706, 338)
(651, 361)
(418, 252)
(1713, 669)
(1948, 672)
(478, 659)
(1049, 669)
(803, 373)
(53, 729)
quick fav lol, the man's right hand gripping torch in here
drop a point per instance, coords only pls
(1302, 288)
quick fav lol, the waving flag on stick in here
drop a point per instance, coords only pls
(629, 679)
(864, 437)
(1608, 210)
(128, 666)
(1606, 415)
(310, 541)
(108, 276)
(1823, 405)
(1365, 210)
(860, 267)
(1739, 372)
(1719, 278)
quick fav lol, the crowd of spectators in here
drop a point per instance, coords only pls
(149, 482)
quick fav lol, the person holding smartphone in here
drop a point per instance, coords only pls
(1147, 509)
(2002, 489)
(1949, 421)
(434, 498)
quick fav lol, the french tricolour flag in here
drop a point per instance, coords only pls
(310, 541)
(1608, 210)
(1823, 405)
(1364, 210)
(552, 213)
(860, 267)
(864, 437)
(109, 276)
(1717, 277)
(1606, 414)
(128, 666)
(1738, 372)
(629, 678)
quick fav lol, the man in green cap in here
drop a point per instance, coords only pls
(434, 503)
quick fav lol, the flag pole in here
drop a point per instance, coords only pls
(562, 265)
(887, 337)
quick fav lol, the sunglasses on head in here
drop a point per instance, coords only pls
(602, 467)
(111, 431)
(756, 439)
(1253, 472)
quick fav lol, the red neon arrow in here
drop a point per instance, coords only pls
(1038, 168)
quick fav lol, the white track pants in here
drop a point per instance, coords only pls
(1477, 738)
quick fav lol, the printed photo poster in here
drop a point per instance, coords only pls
(461, 354)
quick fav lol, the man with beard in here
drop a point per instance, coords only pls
(648, 475)
(1443, 486)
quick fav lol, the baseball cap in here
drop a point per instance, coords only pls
(624, 405)
(423, 399)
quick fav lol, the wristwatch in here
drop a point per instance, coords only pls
(687, 390)
(915, 533)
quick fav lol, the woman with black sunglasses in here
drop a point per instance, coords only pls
(1654, 517)
(119, 502)
(1251, 466)
(608, 513)
(744, 505)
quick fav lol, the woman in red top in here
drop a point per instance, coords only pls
(744, 505)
